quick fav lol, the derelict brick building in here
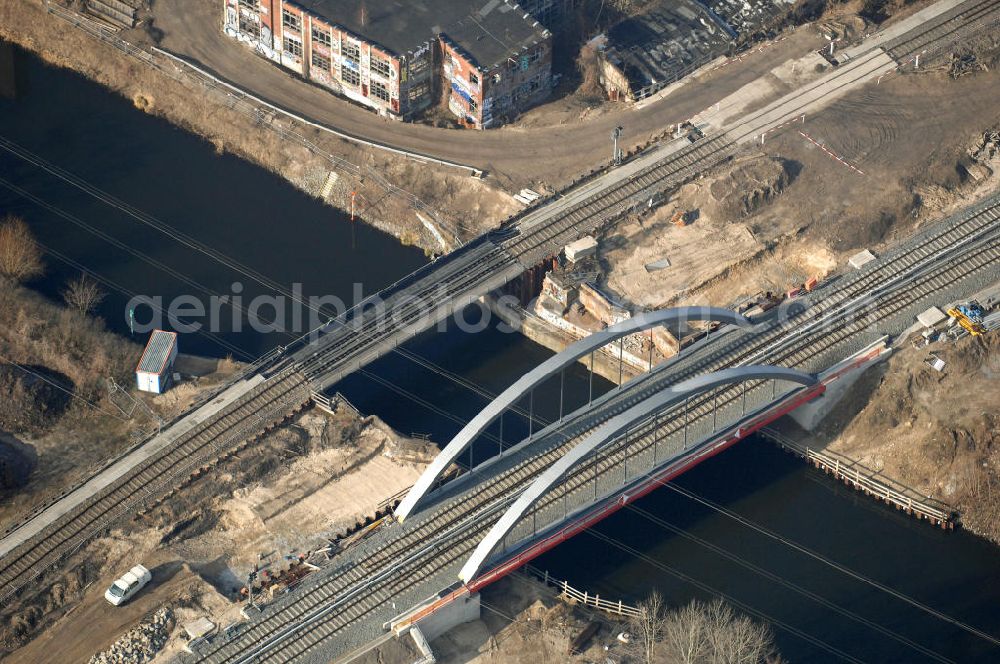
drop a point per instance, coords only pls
(486, 59)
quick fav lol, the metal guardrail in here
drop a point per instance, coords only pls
(329, 403)
(571, 594)
(869, 481)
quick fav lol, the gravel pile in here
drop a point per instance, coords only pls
(140, 644)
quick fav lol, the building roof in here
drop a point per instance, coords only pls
(488, 30)
(158, 349)
(652, 49)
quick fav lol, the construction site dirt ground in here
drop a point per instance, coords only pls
(290, 493)
(760, 227)
(937, 432)
(521, 622)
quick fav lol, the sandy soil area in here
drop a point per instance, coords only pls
(522, 622)
(697, 252)
(906, 135)
(300, 487)
(93, 624)
(935, 431)
(312, 498)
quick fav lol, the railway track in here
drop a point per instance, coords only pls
(531, 245)
(535, 239)
(251, 414)
(338, 352)
(443, 535)
(532, 241)
(418, 307)
(945, 30)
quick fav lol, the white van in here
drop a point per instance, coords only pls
(124, 588)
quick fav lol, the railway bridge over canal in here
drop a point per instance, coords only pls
(422, 555)
(450, 540)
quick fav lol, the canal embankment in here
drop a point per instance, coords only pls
(932, 426)
(383, 189)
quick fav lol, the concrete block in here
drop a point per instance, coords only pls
(458, 612)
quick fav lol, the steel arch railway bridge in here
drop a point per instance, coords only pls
(525, 386)
(644, 409)
(417, 563)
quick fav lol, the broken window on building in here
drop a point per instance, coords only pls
(473, 79)
(350, 50)
(249, 27)
(380, 91)
(350, 76)
(418, 65)
(293, 46)
(320, 61)
(322, 37)
(381, 66)
(250, 5)
(291, 21)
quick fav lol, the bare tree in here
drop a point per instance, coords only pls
(648, 628)
(83, 294)
(685, 635)
(735, 638)
(698, 633)
(20, 257)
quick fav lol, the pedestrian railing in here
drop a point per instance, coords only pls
(571, 594)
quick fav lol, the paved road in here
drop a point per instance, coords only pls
(553, 154)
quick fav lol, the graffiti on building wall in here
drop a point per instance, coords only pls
(362, 71)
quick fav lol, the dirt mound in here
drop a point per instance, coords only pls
(750, 184)
(938, 431)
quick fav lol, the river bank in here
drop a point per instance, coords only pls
(936, 431)
(324, 166)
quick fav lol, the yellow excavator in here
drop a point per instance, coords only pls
(969, 316)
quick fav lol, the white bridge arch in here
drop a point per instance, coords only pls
(540, 374)
(611, 429)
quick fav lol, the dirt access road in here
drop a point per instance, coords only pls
(93, 625)
(554, 154)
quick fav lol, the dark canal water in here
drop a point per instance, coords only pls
(267, 226)
(256, 219)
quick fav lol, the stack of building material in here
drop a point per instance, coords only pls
(113, 11)
(580, 249)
